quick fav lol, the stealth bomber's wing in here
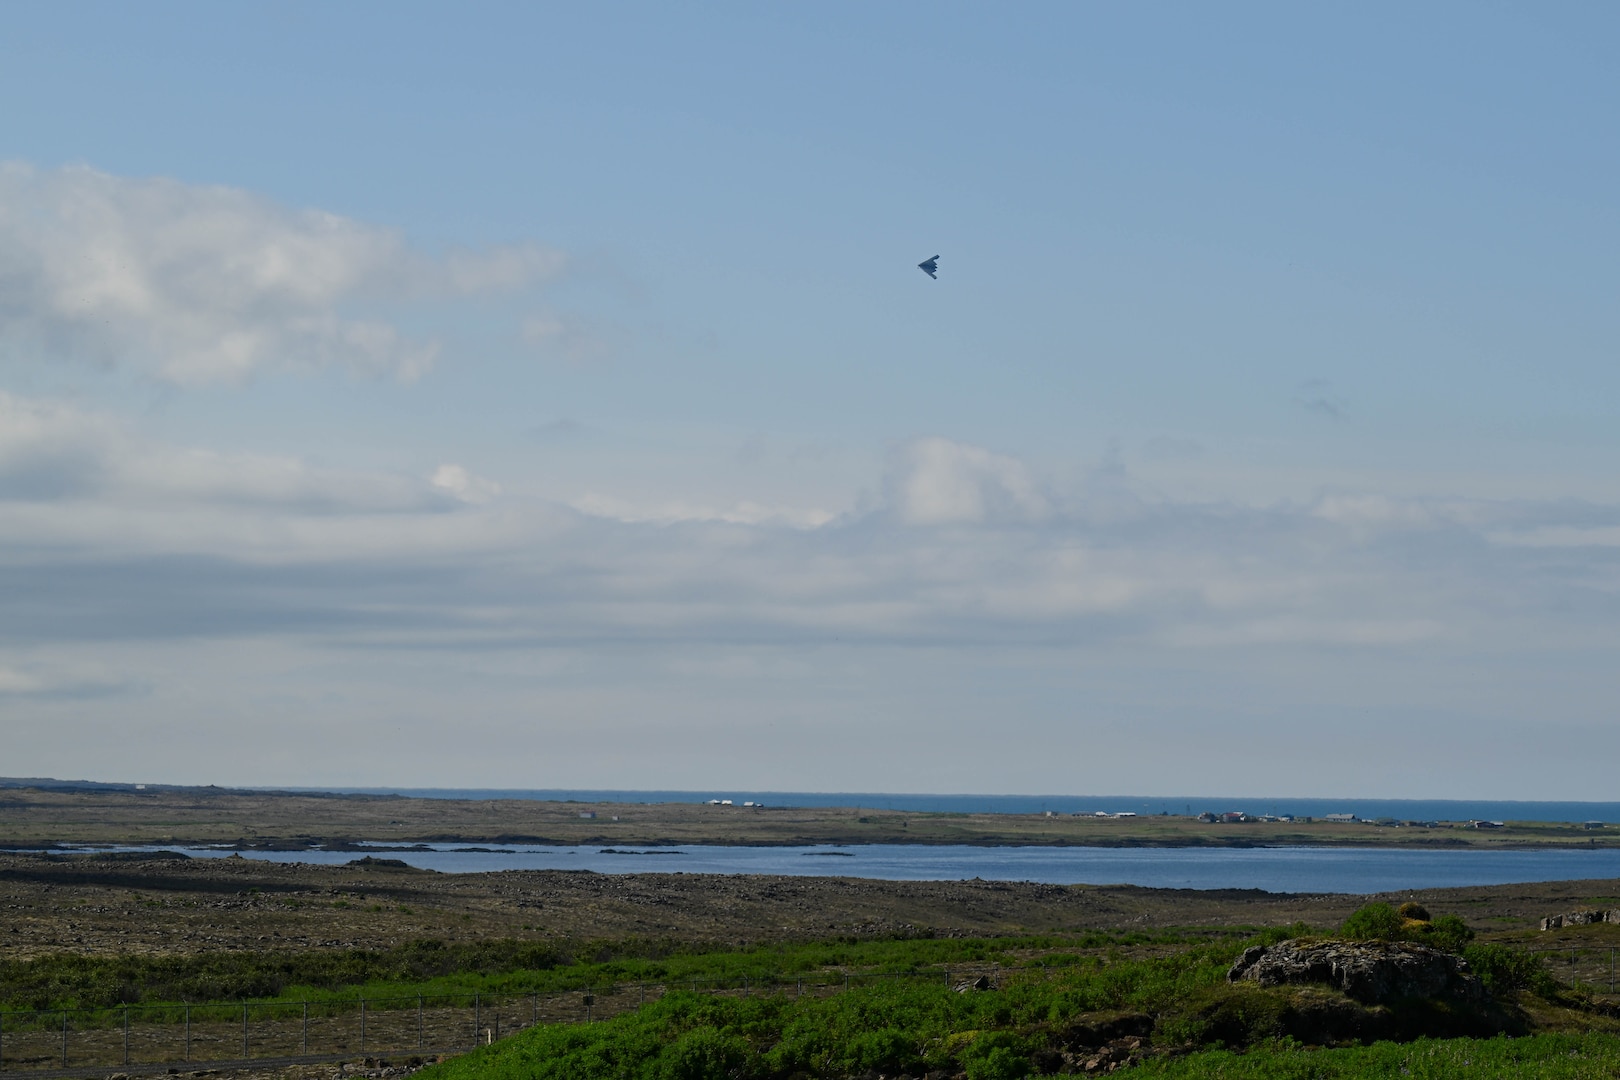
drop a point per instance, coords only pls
(929, 266)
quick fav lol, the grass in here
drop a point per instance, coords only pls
(1055, 1012)
(1056, 1000)
(1545, 1057)
(1021, 1031)
(891, 1027)
(435, 968)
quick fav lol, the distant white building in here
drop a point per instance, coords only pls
(1342, 819)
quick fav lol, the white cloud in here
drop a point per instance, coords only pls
(1562, 537)
(671, 512)
(193, 284)
(34, 680)
(565, 336)
(13, 681)
(176, 576)
(277, 542)
(50, 452)
(463, 484)
(939, 482)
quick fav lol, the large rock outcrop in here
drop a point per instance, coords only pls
(1580, 918)
(1369, 971)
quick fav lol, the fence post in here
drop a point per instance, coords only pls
(126, 1036)
(305, 1036)
(188, 1032)
(477, 1023)
(244, 1032)
(64, 1038)
(846, 980)
(1611, 969)
(419, 1021)
(362, 1025)
(643, 1000)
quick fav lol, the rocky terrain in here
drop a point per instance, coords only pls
(116, 904)
(1372, 972)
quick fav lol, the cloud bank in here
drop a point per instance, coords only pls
(965, 546)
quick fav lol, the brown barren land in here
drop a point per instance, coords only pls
(127, 903)
(290, 821)
(104, 905)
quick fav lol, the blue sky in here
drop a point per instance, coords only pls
(547, 396)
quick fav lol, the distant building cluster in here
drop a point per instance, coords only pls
(1233, 817)
(1236, 817)
(729, 802)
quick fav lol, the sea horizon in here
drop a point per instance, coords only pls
(1368, 809)
(1572, 811)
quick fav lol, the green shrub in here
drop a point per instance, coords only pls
(1450, 933)
(1380, 922)
(1543, 1057)
(702, 1054)
(1508, 971)
(1373, 922)
(887, 1050)
(995, 1055)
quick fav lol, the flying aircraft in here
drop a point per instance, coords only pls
(928, 266)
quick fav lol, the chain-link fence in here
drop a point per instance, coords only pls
(137, 1036)
(1590, 967)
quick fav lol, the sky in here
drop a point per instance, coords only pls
(519, 395)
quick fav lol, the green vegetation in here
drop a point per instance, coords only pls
(1546, 1057)
(68, 981)
(432, 967)
(1506, 971)
(1158, 1003)
(1381, 922)
(1047, 1014)
(1503, 970)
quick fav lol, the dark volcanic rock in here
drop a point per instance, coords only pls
(1369, 971)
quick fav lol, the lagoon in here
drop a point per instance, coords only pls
(1273, 869)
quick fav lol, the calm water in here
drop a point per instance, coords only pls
(1282, 869)
(1369, 809)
